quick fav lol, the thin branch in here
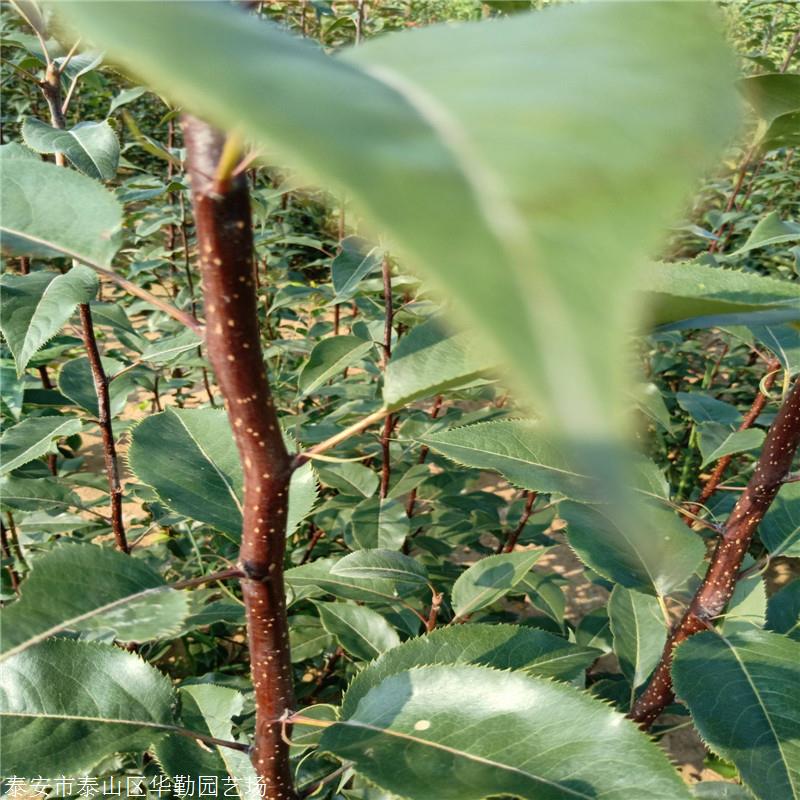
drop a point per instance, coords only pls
(423, 454)
(6, 550)
(222, 575)
(104, 407)
(343, 435)
(773, 368)
(511, 542)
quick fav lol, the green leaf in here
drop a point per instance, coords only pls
(772, 94)
(651, 402)
(780, 528)
(519, 450)
(92, 147)
(702, 407)
(352, 265)
(720, 790)
(66, 705)
(698, 296)
(650, 552)
(91, 590)
(783, 611)
(46, 210)
(12, 390)
(302, 496)
(744, 694)
(637, 626)
(783, 131)
(361, 631)
(427, 360)
(208, 709)
(381, 563)
(328, 358)
(76, 382)
(31, 494)
(317, 579)
(189, 457)
(507, 647)
(79, 64)
(32, 438)
(124, 97)
(770, 230)
(747, 607)
(307, 638)
(459, 732)
(350, 478)
(783, 341)
(36, 306)
(495, 122)
(490, 578)
(717, 441)
(168, 347)
(378, 523)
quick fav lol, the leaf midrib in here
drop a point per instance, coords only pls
(767, 717)
(468, 756)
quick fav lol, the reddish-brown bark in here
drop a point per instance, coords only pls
(225, 246)
(104, 421)
(749, 419)
(715, 592)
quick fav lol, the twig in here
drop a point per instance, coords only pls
(104, 407)
(749, 419)
(12, 573)
(352, 430)
(312, 543)
(222, 575)
(510, 543)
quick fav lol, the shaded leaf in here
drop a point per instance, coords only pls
(36, 306)
(32, 438)
(783, 611)
(328, 358)
(490, 578)
(92, 147)
(91, 590)
(208, 709)
(652, 552)
(66, 705)
(76, 382)
(46, 210)
(361, 631)
(427, 360)
(637, 626)
(744, 689)
(780, 528)
(352, 265)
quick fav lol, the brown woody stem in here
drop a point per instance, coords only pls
(715, 592)
(225, 246)
(104, 420)
(511, 542)
(51, 88)
(749, 419)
